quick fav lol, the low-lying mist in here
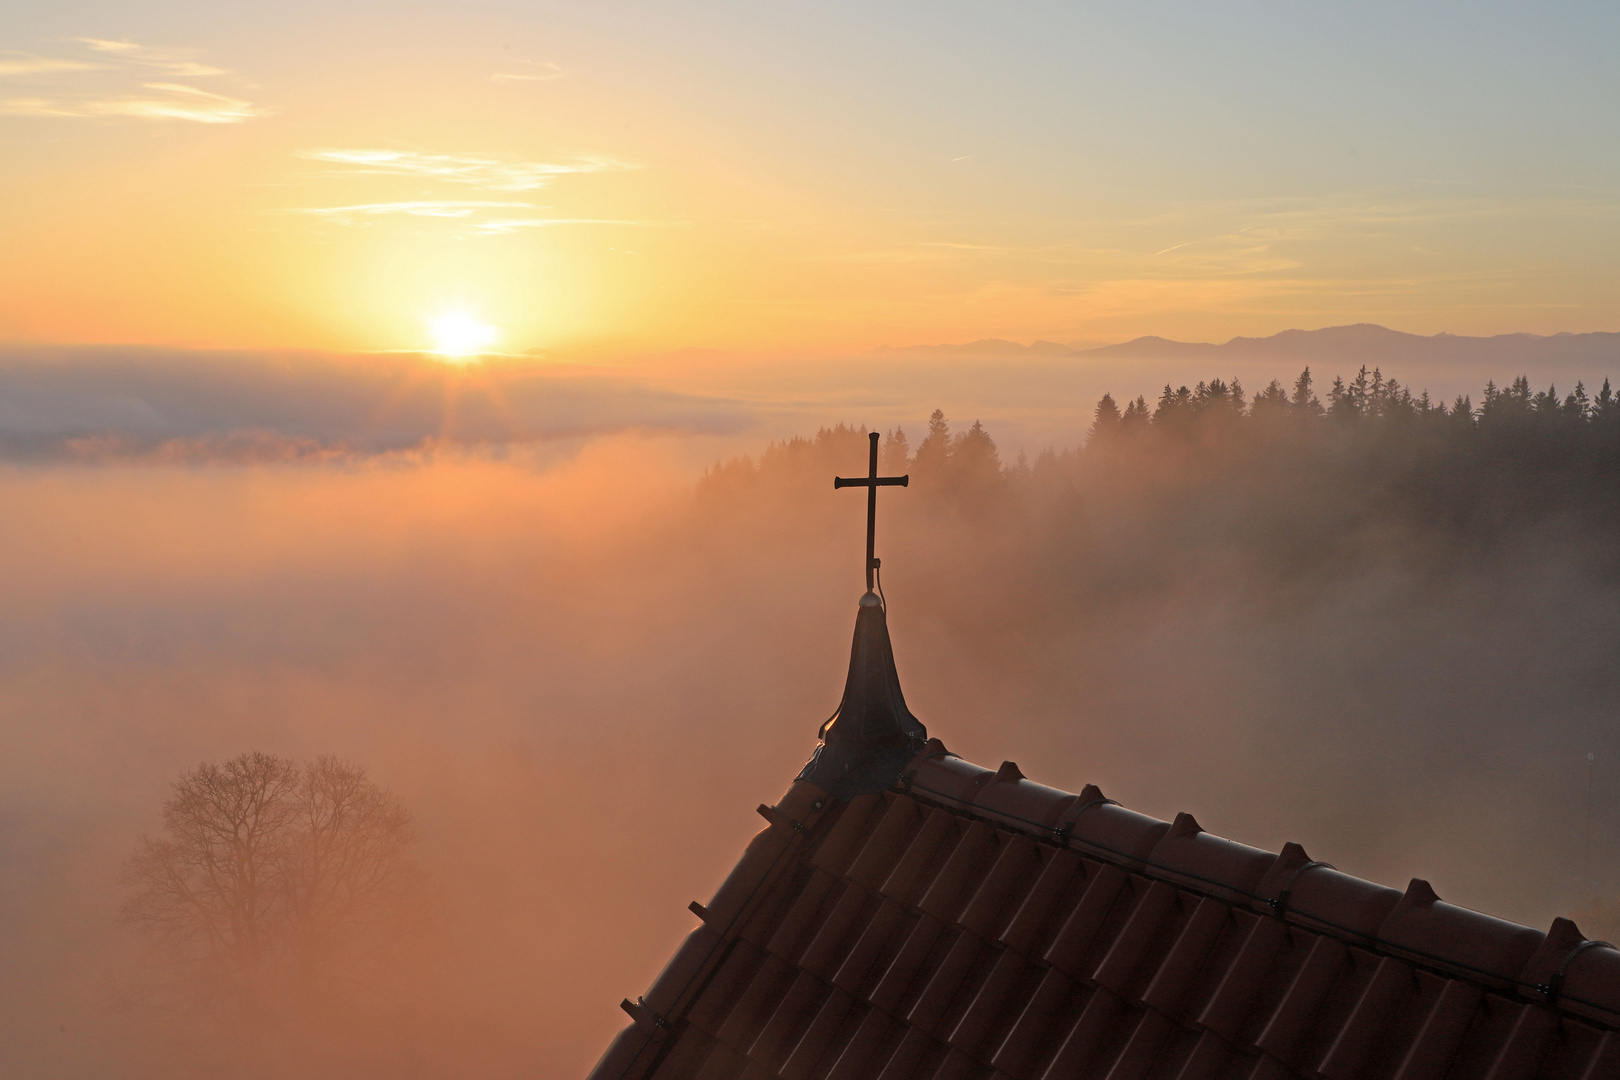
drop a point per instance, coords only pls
(1388, 633)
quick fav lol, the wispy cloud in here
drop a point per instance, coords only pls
(544, 71)
(492, 173)
(434, 208)
(175, 62)
(111, 79)
(511, 225)
(22, 64)
(159, 101)
(460, 209)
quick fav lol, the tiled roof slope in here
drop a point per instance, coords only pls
(970, 925)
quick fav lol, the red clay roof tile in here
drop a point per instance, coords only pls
(1074, 938)
(1095, 1027)
(820, 1037)
(1002, 888)
(941, 774)
(1141, 932)
(1314, 892)
(916, 869)
(929, 1009)
(740, 885)
(954, 885)
(1209, 863)
(1526, 1043)
(1391, 986)
(1298, 1006)
(849, 835)
(888, 840)
(1035, 1031)
(1150, 1038)
(1111, 831)
(1477, 944)
(1175, 977)
(911, 1056)
(879, 939)
(1022, 802)
(871, 1041)
(927, 938)
(698, 949)
(756, 1004)
(1208, 1059)
(839, 932)
(800, 920)
(686, 1058)
(722, 1063)
(999, 994)
(958, 1066)
(1036, 920)
(742, 963)
(789, 1020)
(1442, 1031)
(1605, 1059)
(1269, 1068)
(1244, 979)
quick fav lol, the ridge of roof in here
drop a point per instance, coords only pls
(969, 924)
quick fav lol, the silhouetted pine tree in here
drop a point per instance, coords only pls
(895, 456)
(1105, 423)
(934, 452)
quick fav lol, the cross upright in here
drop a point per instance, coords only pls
(871, 482)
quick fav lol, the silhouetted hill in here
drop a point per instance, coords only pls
(1352, 346)
(982, 347)
(1373, 345)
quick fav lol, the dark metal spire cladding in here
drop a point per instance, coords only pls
(869, 740)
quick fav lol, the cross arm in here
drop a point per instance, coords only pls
(872, 481)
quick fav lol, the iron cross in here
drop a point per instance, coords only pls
(871, 482)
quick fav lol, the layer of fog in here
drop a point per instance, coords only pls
(101, 404)
(582, 681)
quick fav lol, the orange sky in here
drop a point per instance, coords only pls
(596, 181)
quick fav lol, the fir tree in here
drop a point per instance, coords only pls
(1304, 398)
(1105, 423)
(896, 455)
(934, 452)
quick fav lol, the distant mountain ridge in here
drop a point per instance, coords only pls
(1359, 343)
(984, 347)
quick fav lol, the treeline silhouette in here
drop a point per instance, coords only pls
(1282, 487)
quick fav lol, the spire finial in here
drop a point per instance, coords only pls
(871, 738)
(871, 482)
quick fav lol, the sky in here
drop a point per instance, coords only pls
(610, 179)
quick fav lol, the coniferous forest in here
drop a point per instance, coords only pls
(1287, 485)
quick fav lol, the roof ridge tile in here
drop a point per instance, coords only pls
(1426, 927)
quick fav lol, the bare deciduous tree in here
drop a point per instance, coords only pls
(267, 873)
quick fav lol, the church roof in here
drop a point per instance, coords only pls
(964, 924)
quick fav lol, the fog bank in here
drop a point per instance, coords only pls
(582, 674)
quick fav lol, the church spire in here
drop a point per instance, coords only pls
(869, 740)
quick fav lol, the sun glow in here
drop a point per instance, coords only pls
(457, 335)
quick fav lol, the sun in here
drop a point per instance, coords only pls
(457, 335)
